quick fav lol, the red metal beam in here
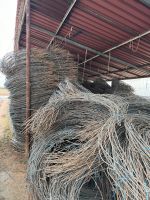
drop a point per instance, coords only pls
(117, 46)
(28, 97)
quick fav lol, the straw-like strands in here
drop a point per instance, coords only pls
(47, 69)
(90, 146)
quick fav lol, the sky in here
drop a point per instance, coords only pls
(7, 30)
(141, 86)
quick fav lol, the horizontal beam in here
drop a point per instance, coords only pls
(88, 49)
(95, 63)
(101, 73)
(127, 41)
(95, 73)
(111, 66)
(117, 71)
(93, 66)
(117, 46)
(127, 70)
(134, 78)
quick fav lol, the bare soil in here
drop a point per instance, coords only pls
(12, 163)
(4, 92)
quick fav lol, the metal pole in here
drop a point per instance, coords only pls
(117, 46)
(62, 22)
(28, 47)
(98, 53)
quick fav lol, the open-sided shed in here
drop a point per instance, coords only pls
(108, 38)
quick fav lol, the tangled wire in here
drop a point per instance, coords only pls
(47, 68)
(90, 146)
(85, 145)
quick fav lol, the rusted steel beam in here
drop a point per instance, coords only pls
(28, 97)
(62, 22)
(117, 46)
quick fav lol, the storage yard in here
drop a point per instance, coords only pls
(78, 132)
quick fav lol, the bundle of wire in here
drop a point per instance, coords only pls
(88, 146)
(47, 68)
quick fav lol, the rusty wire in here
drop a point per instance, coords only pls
(90, 146)
(47, 69)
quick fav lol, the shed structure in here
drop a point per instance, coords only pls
(108, 38)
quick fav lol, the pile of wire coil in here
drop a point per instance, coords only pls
(47, 69)
(90, 146)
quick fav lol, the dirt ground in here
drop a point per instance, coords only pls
(12, 163)
(4, 92)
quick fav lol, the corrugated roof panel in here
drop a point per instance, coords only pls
(119, 11)
(97, 24)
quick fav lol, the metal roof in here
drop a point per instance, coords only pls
(108, 38)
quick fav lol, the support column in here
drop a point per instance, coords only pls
(28, 97)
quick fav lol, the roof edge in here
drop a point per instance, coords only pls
(20, 15)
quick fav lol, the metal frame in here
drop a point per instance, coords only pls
(63, 21)
(28, 50)
(98, 74)
(72, 4)
(117, 69)
(120, 77)
(110, 72)
(127, 70)
(117, 46)
(89, 49)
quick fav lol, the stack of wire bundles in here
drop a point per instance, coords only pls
(47, 68)
(90, 147)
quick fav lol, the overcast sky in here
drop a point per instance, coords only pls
(7, 29)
